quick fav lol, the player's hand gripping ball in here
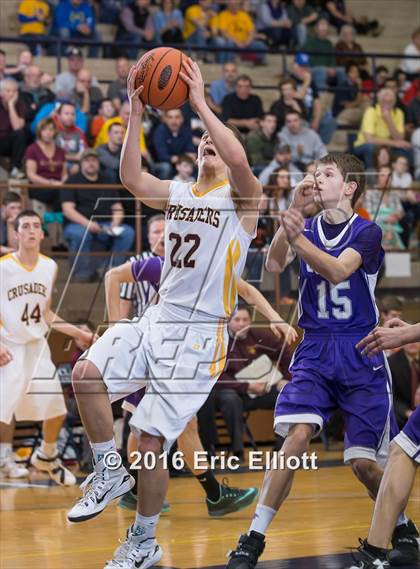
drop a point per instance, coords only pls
(158, 72)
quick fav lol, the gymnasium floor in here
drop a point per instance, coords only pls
(325, 515)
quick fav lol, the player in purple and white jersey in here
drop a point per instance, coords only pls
(400, 471)
(340, 257)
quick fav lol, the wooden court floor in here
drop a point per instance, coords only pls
(326, 513)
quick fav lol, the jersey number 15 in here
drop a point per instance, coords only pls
(342, 307)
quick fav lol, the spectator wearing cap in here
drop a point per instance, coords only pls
(110, 153)
(273, 21)
(33, 93)
(382, 125)
(46, 165)
(219, 88)
(233, 27)
(11, 206)
(302, 16)
(12, 125)
(282, 159)
(242, 108)
(66, 81)
(76, 19)
(85, 95)
(117, 90)
(94, 217)
(305, 144)
(69, 137)
(261, 143)
(306, 90)
(33, 17)
(324, 65)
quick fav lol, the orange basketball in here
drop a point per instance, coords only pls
(159, 73)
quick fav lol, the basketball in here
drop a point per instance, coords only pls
(159, 73)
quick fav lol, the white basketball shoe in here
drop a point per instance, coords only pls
(136, 552)
(100, 487)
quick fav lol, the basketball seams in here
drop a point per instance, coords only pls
(175, 82)
(154, 71)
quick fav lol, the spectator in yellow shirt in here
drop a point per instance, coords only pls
(122, 118)
(33, 17)
(234, 28)
(382, 125)
(197, 29)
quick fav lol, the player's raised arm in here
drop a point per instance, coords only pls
(113, 280)
(277, 325)
(227, 145)
(280, 253)
(333, 269)
(149, 189)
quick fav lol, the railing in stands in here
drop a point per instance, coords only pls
(61, 44)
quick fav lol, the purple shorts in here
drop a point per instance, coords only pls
(329, 373)
(132, 401)
(409, 438)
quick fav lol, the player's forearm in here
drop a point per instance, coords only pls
(279, 253)
(230, 149)
(329, 267)
(130, 163)
(410, 333)
(60, 325)
(253, 297)
(112, 295)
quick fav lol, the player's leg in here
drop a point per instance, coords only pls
(8, 467)
(392, 499)
(302, 408)
(108, 370)
(275, 489)
(367, 406)
(220, 498)
(45, 457)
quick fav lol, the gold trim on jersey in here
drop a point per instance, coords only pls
(230, 287)
(219, 357)
(25, 267)
(198, 194)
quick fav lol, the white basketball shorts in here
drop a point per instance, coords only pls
(178, 359)
(29, 386)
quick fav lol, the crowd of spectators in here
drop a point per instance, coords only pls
(49, 125)
(69, 130)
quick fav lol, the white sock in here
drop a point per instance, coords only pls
(402, 520)
(262, 519)
(49, 449)
(100, 449)
(5, 451)
(145, 526)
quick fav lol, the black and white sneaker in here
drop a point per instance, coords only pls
(136, 552)
(245, 556)
(100, 487)
(405, 546)
(55, 468)
(364, 559)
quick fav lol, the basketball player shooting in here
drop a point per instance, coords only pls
(178, 347)
(29, 387)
